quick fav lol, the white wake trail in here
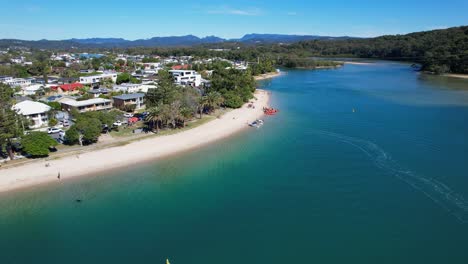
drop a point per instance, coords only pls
(435, 190)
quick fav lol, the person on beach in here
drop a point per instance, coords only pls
(58, 175)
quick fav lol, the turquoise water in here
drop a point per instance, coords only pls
(319, 183)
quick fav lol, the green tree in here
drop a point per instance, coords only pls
(154, 117)
(72, 136)
(89, 129)
(11, 124)
(202, 103)
(185, 113)
(53, 122)
(37, 144)
(55, 105)
(166, 93)
(214, 100)
(126, 78)
(232, 100)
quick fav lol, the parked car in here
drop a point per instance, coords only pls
(65, 123)
(61, 137)
(117, 123)
(53, 130)
(128, 115)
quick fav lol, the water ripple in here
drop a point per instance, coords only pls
(454, 203)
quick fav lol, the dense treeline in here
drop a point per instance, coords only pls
(438, 51)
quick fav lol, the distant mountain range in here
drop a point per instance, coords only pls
(188, 40)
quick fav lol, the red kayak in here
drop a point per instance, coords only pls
(270, 111)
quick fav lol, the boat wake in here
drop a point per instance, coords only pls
(437, 191)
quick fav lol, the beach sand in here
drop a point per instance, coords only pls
(357, 63)
(267, 76)
(454, 75)
(93, 162)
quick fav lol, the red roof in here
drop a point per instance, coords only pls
(69, 86)
(181, 67)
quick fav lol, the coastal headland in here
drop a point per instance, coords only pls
(45, 171)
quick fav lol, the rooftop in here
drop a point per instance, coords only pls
(29, 107)
(86, 102)
(98, 91)
(129, 96)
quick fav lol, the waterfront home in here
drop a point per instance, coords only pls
(95, 79)
(186, 77)
(124, 101)
(34, 111)
(95, 104)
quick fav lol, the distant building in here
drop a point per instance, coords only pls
(122, 101)
(186, 77)
(98, 92)
(34, 111)
(68, 87)
(181, 67)
(16, 82)
(91, 55)
(96, 104)
(32, 89)
(94, 79)
(128, 87)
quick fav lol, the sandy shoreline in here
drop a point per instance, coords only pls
(356, 62)
(121, 156)
(267, 76)
(454, 75)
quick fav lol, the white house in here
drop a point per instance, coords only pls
(128, 87)
(186, 77)
(95, 104)
(32, 89)
(97, 78)
(34, 111)
(15, 82)
(4, 79)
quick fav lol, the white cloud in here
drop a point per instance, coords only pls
(235, 11)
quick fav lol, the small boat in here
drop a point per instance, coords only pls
(257, 123)
(270, 111)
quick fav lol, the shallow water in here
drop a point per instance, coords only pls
(318, 183)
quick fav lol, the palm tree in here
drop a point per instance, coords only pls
(174, 112)
(154, 116)
(214, 100)
(185, 113)
(202, 103)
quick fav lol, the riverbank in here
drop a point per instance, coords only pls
(267, 76)
(135, 152)
(356, 63)
(454, 75)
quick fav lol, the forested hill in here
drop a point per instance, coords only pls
(438, 51)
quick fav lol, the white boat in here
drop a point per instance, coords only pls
(256, 123)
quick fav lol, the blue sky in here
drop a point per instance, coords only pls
(63, 19)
